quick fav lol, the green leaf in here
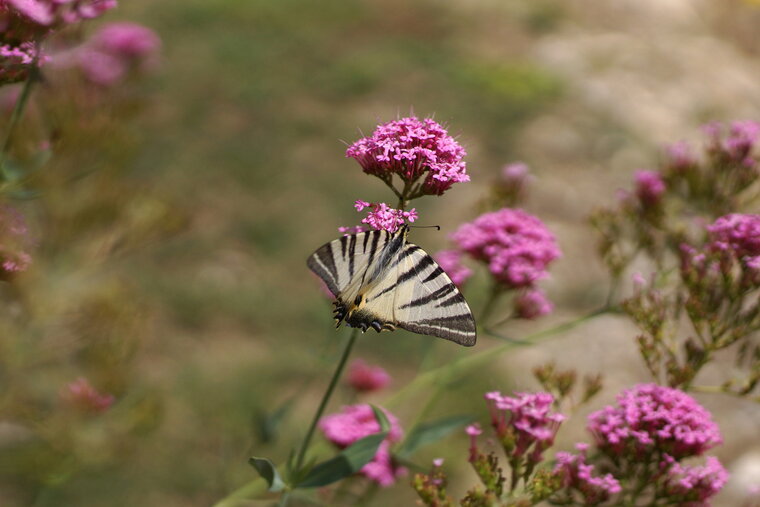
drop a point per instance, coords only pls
(347, 463)
(385, 425)
(267, 470)
(428, 433)
(268, 423)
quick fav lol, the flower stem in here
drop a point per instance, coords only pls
(18, 110)
(325, 399)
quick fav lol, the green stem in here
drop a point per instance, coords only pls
(325, 399)
(18, 110)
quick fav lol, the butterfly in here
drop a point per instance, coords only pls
(381, 281)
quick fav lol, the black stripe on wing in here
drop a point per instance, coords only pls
(322, 263)
(457, 328)
(433, 296)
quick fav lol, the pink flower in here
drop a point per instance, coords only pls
(366, 378)
(82, 395)
(651, 418)
(356, 422)
(116, 50)
(680, 156)
(527, 418)
(15, 61)
(532, 304)
(735, 146)
(451, 262)
(513, 183)
(412, 149)
(14, 241)
(649, 187)
(352, 229)
(517, 246)
(48, 13)
(693, 485)
(473, 430)
(384, 217)
(737, 235)
(575, 473)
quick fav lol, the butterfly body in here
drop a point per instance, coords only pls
(381, 281)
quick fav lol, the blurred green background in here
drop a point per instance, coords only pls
(235, 172)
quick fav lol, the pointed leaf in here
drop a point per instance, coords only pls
(428, 433)
(382, 419)
(268, 472)
(347, 463)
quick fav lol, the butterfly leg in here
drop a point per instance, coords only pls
(339, 313)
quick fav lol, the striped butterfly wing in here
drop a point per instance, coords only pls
(345, 264)
(426, 301)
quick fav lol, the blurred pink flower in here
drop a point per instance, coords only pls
(517, 246)
(412, 149)
(576, 474)
(82, 395)
(737, 143)
(451, 262)
(366, 378)
(651, 418)
(737, 235)
(531, 304)
(513, 182)
(693, 485)
(14, 241)
(680, 156)
(384, 217)
(356, 422)
(48, 13)
(15, 61)
(116, 50)
(649, 187)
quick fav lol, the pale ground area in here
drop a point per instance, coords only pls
(639, 73)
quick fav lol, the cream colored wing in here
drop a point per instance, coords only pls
(417, 295)
(343, 263)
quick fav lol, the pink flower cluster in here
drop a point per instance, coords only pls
(576, 474)
(366, 378)
(532, 303)
(680, 157)
(14, 241)
(384, 217)
(737, 144)
(513, 182)
(517, 246)
(116, 50)
(649, 418)
(24, 23)
(693, 485)
(15, 61)
(49, 13)
(526, 419)
(737, 235)
(649, 187)
(451, 262)
(82, 395)
(356, 422)
(412, 149)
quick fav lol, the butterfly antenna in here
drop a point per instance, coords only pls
(437, 227)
